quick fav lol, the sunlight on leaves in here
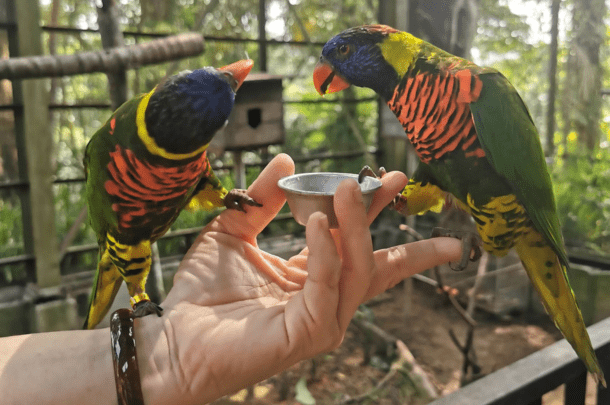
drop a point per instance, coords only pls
(303, 396)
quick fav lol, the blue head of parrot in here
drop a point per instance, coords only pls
(187, 109)
(354, 57)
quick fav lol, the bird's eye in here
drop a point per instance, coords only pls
(343, 49)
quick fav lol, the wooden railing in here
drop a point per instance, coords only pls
(527, 380)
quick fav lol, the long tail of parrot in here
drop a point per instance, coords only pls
(105, 287)
(118, 262)
(557, 296)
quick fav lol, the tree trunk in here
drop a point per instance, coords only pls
(450, 25)
(585, 75)
(550, 113)
(55, 5)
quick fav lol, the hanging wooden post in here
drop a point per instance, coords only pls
(550, 112)
(35, 146)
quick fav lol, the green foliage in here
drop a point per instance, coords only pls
(582, 184)
(69, 201)
(303, 396)
(11, 227)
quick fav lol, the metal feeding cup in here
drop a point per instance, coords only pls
(307, 193)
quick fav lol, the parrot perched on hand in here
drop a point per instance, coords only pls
(478, 149)
(144, 166)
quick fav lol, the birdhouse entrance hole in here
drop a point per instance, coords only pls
(254, 117)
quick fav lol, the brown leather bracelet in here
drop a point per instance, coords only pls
(124, 359)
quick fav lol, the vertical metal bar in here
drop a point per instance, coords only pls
(37, 144)
(240, 170)
(262, 35)
(575, 390)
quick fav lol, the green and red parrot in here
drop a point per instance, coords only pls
(144, 166)
(478, 148)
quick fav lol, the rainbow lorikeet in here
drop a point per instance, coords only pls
(144, 166)
(478, 149)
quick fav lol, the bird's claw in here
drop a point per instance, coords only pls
(237, 199)
(471, 245)
(146, 307)
(366, 171)
(399, 202)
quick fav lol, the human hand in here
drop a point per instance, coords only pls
(237, 315)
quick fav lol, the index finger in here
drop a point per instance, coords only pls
(265, 191)
(393, 183)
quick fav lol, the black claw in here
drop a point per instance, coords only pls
(471, 245)
(398, 202)
(236, 200)
(144, 308)
(366, 172)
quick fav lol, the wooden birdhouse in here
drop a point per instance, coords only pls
(257, 118)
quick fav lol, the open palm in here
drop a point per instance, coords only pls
(237, 315)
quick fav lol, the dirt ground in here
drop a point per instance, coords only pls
(334, 377)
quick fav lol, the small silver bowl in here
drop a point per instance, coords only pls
(307, 193)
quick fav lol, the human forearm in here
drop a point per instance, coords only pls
(71, 367)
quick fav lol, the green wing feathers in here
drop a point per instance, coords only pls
(509, 137)
(511, 143)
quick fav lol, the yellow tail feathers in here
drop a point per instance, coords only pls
(549, 278)
(105, 287)
(117, 262)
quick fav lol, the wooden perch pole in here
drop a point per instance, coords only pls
(111, 60)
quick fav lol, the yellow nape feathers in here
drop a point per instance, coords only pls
(400, 50)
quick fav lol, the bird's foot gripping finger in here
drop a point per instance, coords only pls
(366, 171)
(399, 202)
(142, 306)
(237, 199)
(471, 245)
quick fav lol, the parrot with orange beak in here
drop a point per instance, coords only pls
(146, 164)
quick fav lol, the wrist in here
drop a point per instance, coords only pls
(153, 361)
(165, 375)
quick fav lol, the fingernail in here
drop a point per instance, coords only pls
(323, 223)
(357, 194)
(318, 219)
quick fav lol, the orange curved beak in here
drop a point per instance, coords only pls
(239, 70)
(326, 79)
